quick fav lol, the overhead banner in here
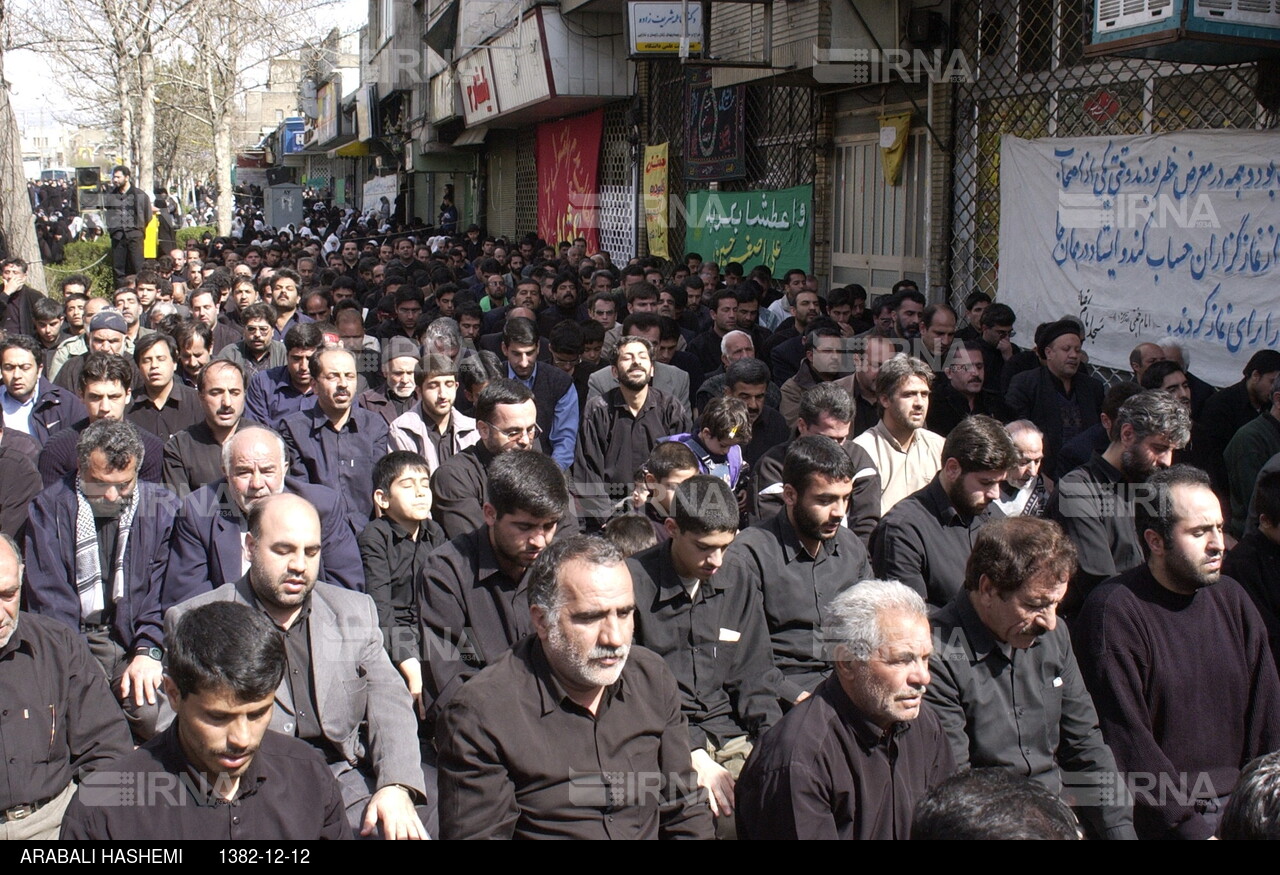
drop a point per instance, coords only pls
(773, 228)
(716, 144)
(1146, 237)
(655, 199)
(568, 165)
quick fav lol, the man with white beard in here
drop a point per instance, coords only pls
(574, 733)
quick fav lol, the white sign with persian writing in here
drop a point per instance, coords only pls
(1146, 237)
(656, 28)
(475, 81)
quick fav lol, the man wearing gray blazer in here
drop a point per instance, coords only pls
(340, 693)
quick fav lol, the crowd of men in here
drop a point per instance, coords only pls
(465, 537)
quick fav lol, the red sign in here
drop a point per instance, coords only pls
(1102, 107)
(475, 77)
(568, 179)
(477, 90)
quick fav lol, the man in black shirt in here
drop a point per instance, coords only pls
(506, 419)
(165, 406)
(924, 540)
(227, 777)
(193, 456)
(1177, 660)
(712, 634)
(575, 733)
(473, 605)
(620, 428)
(1094, 503)
(825, 410)
(1006, 685)
(801, 558)
(128, 210)
(1060, 400)
(64, 722)
(852, 760)
(962, 391)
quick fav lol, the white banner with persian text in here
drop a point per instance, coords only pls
(1146, 237)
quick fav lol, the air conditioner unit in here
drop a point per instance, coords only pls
(1187, 31)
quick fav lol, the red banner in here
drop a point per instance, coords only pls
(568, 172)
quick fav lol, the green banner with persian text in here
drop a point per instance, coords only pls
(770, 227)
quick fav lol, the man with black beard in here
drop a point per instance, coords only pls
(620, 428)
(1094, 503)
(924, 540)
(800, 559)
(1176, 658)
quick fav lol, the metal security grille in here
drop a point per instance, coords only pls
(1032, 80)
(319, 173)
(526, 181)
(781, 137)
(617, 187)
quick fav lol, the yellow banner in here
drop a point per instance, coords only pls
(655, 199)
(895, 131)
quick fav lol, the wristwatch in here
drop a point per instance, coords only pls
(146, 650)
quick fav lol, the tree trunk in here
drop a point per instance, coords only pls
(128, 150)
(144, 173)
(17, 223)
(223, 158)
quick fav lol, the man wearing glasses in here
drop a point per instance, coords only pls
(962, 392)
(506, 419)
(826, 410)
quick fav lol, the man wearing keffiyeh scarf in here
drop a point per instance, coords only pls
(95, 558)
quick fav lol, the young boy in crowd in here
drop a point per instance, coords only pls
(394, 549)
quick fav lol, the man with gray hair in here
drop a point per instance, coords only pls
(735, 345)
(852, 760)
(905, 453)
(574, 733)
(1023, 493)
(96, 554)
(1094, 503)
(207, 549)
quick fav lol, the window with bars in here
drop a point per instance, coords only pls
(781, 139)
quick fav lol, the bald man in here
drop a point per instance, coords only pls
(207, 548)
(340, 693)
(1143, 356)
